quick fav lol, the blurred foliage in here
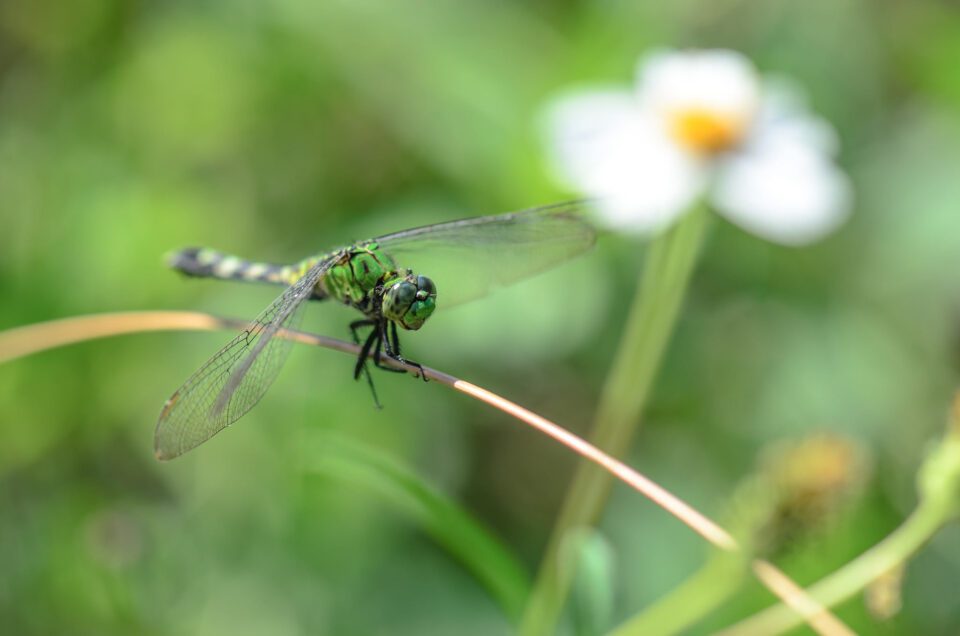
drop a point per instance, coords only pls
(278, 129)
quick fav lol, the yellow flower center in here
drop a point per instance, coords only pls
(706, 132)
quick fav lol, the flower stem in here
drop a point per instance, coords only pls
(693, 599)
(654, 311)
(939, 484)
(844, 583)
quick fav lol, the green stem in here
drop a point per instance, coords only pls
(669, 263)
(696, 597)
(855, 576)
(939, 482)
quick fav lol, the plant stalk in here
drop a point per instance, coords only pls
(650, 323)
(939, 486)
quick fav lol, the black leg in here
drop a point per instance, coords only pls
(365, 353)
(396, 338)
(355, 325)
(393, 349)
(377, 359)
(419, 368)
(387, 346)
(361, 366)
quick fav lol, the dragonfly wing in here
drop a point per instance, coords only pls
(469, 258)
(230, 383)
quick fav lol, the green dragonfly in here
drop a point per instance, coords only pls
(468, 258)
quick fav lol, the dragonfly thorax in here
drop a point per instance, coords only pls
(368, 279)
(409, 300)
(355, 273)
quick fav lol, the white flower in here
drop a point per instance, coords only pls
(701, 124)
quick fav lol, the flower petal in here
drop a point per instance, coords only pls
(784, 114)
(717, 81)
(580, 126)
(782, 187)
(604, 146)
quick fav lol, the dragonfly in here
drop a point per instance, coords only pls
(384, 278)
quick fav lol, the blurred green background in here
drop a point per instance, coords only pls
(278, 129)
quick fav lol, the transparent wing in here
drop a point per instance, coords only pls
(468, 258)
(231, 382)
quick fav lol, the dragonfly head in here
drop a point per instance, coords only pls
(409, 301)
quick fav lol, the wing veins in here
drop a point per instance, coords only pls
(556, 210)
(192, 414)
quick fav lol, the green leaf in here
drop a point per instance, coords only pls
(593, 587)
(458, 532)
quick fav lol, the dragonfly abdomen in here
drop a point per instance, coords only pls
(207, 263)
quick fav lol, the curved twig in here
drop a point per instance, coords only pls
(22, 341)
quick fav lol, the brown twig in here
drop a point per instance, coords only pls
(22, 341)
(794, 596)
(34, 338)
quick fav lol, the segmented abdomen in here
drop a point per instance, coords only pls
(207, 263)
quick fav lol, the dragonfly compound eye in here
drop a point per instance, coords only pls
(425, 288)
(407, 305)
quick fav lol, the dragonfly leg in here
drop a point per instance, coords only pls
(395, 337)
(365, 352)
(361, 366)
(355, 326)
(396, 347)
(391, 344)
(382, 342)
(354, 329)
(372, 341)
(378, 359)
